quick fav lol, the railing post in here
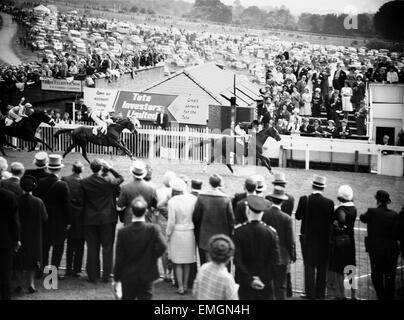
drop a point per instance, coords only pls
(307, 157)
(186, 145)
(207, 146)
(151, 145)
(379, 161)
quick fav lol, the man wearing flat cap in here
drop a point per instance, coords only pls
(382, 245)
(316, 212)
(283, 225)
(257, 253)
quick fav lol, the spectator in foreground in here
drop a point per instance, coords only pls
(180, 232)
(342, 241)
(33, 214)
(316, 212)
(214, 281)
(257, 253)
(382, 245)
(13, 183)
(41, 160)
(138, 247)
(100, 218)
(75, 236)
(4, 174)
(9, 239)
(213, 214)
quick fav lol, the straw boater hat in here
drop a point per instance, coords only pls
(278, 193)
(319, 181)
(55, 162)
(41, 159)
(138, 169)
(261, 186)
(279, 178)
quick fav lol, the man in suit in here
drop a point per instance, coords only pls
(213, 214)
(56, 196)
(382, 245)
(9, 239)
(40, 161)
(316, 212)
(100, 218)
(136, 187)
(75, 236)
(162, 120)
(283, 225)
(13, 183)
(138, 247)
(339, 77)
(287, 206)
(238, 201)
(257, 253)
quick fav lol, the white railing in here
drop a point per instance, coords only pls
(186, 144)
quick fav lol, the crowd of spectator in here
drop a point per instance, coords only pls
(299, 98)
(180, 220)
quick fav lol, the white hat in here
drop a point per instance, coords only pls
(138, 169)
(177, 184)
(55, 161)
(168, 176)
(345, 192)
(260, 180)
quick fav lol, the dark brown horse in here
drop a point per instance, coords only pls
(221, 148)
(25, 130)
(82, 135)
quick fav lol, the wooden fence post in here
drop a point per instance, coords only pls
(186, 145)
(356, 161)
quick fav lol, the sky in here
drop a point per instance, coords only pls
(316, 6)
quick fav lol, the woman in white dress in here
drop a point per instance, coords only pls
(346, 94)
(306, 99)
(180, 232)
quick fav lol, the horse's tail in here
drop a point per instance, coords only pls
(62, 131)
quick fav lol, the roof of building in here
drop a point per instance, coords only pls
(208, 79)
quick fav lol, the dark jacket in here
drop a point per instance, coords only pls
(12, 184)
(138, 247)
(257, 252)
(56, 196)
(130, 191)
(77, 203)
(32, 213)
(287, 205)
(283, 225)
(315, 227)
(9, 220)
(383, 230)
(213, 214)
(98, 193)
(38, 174)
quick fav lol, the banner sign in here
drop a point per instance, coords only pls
(190, 110)
(100, 99)
(144, 106)
(61, 85)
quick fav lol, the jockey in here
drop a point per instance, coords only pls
(101, 118)
(17, 113)
(243, 128)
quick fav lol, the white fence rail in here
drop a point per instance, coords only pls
(197, 145)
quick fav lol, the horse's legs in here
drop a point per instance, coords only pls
(34, 144)
(36, 139)
(69, 149)
(265, 162)
(228, 165)
(124, 149)
(84, 151)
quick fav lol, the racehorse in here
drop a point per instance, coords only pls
(228, 144)
(82, 135)
(25, 130)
